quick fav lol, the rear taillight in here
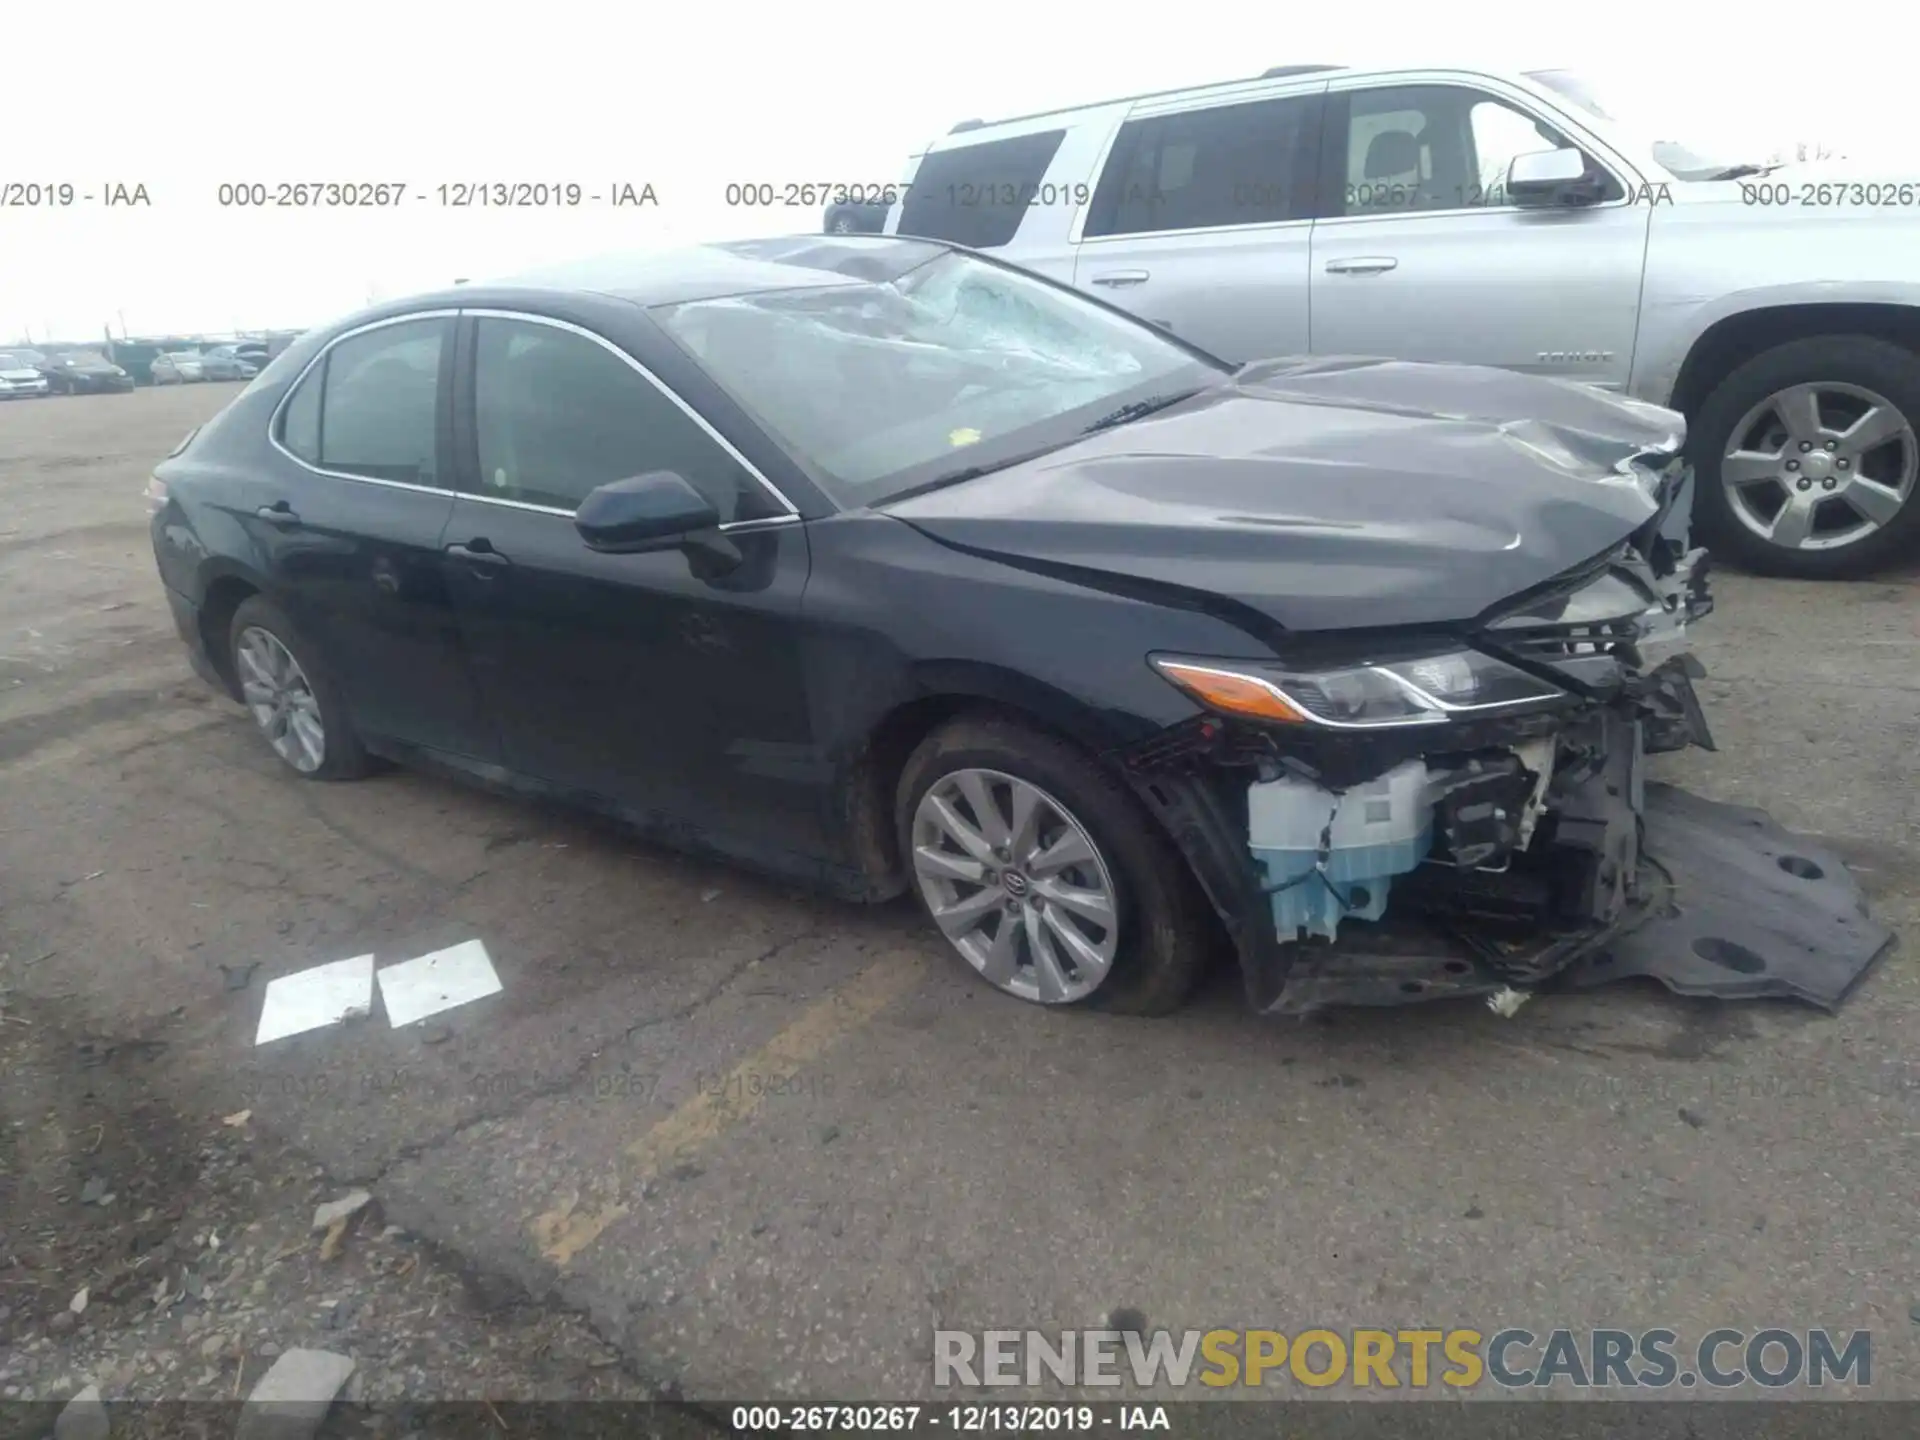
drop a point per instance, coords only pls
(155, 494)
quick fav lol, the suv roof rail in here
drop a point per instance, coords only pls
(1275, 72)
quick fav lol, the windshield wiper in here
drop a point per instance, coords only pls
(1138, 408)
(972, 472)
(1741, 172)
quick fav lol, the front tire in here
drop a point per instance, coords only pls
(1808, 456)
(1045, 875)
(290, 696)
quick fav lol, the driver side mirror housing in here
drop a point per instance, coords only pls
(1550, 177)
(655, 511)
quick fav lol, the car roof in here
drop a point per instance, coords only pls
(706, 272)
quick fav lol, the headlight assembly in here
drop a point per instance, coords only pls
(1609, 597)
(1428, 690)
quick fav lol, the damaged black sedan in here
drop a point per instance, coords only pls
(881, 565)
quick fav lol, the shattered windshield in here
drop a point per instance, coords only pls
(955, 367)
(1681, 161)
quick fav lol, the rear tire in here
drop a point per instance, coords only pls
(1845, 366)
(1161, 929)
(272, 694)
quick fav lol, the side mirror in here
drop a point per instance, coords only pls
(1549, 177)
(655, 511)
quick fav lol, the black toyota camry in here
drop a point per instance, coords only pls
(880, 564)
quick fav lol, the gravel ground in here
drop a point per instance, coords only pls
(168, 1254)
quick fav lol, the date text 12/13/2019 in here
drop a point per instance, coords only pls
(448, 194)
(1040, 1419)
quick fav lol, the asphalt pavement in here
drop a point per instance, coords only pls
(769, 1143)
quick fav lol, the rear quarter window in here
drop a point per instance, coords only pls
(976, 195)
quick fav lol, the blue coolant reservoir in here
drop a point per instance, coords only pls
(1372, 832)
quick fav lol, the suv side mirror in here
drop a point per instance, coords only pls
(1550, 177)
(655, 511)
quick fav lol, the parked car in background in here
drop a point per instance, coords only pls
(85, 372)
(177, 367)
(1505, 219)
(20, 378)
(254, 352)
(224, 362)
(852, 217)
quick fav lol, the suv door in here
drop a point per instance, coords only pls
(348, 527)
(1418, 255)
(655, 685)
(1201, 222)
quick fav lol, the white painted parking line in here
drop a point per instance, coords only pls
(458, 975)
(309, 999)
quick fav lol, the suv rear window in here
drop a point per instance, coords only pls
(975, 195)
(1247, 164)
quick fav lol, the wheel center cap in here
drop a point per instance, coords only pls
(1818, 465)
(1014, 883)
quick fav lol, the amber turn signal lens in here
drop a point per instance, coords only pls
(1235, 694)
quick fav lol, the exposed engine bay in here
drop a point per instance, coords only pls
(1473, 817)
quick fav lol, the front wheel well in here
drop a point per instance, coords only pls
(223, 597)
(1728, 343)
(870, 795)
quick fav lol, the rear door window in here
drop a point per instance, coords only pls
(975, 195)
(1247, 164)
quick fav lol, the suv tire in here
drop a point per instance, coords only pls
(1845, 366)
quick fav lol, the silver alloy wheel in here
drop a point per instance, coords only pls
(1016, 884)
(281, 698)
(1815, 467)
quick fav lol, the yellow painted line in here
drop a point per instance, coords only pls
(565, 1230)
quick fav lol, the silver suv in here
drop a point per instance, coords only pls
(1498, 219)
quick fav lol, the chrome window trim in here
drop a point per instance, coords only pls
(765, 522)
(273, 420)
(658, 384)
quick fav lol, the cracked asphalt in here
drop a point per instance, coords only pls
(767, 1143)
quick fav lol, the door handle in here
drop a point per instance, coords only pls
(1361, 265)
(1114, 279)
(278, 513)
(479, 556)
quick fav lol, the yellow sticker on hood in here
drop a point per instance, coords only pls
(966, 435)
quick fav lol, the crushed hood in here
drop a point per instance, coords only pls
(1331, 494)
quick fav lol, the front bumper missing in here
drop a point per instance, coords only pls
(1747, 909)
(1647, 880)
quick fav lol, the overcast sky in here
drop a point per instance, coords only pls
(181, 98)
